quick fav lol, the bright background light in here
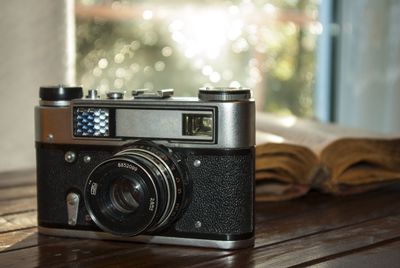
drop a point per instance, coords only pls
(267, 45)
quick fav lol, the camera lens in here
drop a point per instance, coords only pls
(140, 189)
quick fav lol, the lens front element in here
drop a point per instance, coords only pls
(126, 195)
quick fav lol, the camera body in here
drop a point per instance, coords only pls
(148, 168)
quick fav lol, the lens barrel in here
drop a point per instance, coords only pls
(140, 189)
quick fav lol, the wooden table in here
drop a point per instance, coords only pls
(317, 230)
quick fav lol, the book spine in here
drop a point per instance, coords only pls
(320, 175)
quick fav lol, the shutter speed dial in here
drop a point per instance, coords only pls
(224, 93)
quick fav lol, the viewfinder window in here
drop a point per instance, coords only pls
(197, 125)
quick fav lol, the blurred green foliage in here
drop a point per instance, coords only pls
(276, 56)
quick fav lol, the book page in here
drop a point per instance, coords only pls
(311, 134)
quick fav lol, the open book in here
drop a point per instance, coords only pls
(294, 155)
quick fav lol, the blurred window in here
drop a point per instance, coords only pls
(267, 45)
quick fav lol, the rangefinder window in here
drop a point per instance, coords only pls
(197, 125)
(91, 122)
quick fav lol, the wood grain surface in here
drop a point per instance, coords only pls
(317, 230)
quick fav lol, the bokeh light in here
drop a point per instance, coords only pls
(268, 45)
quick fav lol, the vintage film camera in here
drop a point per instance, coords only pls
(148, 167)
